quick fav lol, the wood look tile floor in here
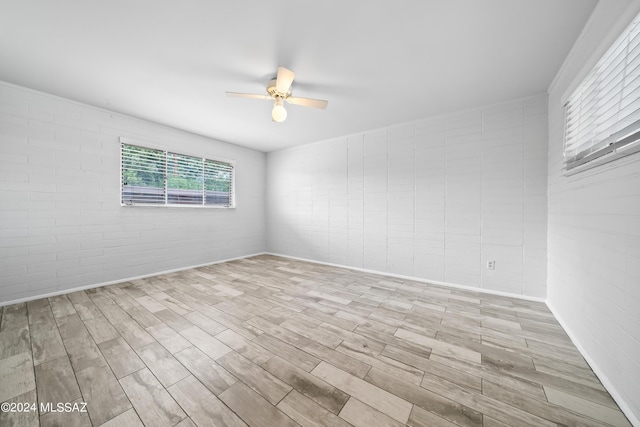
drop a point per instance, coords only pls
(270, 341)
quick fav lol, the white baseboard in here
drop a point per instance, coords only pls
(128, 279)
(624, 407)
(416, 279)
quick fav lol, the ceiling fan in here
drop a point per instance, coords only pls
(279, 89)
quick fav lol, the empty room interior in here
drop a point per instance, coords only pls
(320, 213)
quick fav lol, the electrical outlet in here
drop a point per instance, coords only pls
(491, 265)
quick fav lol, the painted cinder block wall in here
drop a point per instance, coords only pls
(61, 223)
(433, 199)
(594, 232)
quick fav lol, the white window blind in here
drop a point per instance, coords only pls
(157, 177)
(602, 121)
(143, 175)
(184, 180)
(218, 182)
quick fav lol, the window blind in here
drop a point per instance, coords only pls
(602, 116)
(218, 183)
(184, 180)
(143, 175)
(156, 177)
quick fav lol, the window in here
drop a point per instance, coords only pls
(602, 121)
(157, 177)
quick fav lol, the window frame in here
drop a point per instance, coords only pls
(166, 151)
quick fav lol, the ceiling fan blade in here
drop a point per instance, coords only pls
(284, 79)
(308, 102)
(248, 95)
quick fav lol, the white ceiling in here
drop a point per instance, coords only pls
(377, 62)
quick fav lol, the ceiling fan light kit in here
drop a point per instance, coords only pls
(279, 114)
(279, 90)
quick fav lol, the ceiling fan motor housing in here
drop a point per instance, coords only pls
(271, 89)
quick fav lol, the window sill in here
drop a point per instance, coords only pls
(152, 205)
(615, 155)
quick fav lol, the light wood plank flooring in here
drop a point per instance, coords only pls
(269, 341)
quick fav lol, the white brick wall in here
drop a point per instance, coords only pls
(594, 233)
(61, 223)
(433, 199)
